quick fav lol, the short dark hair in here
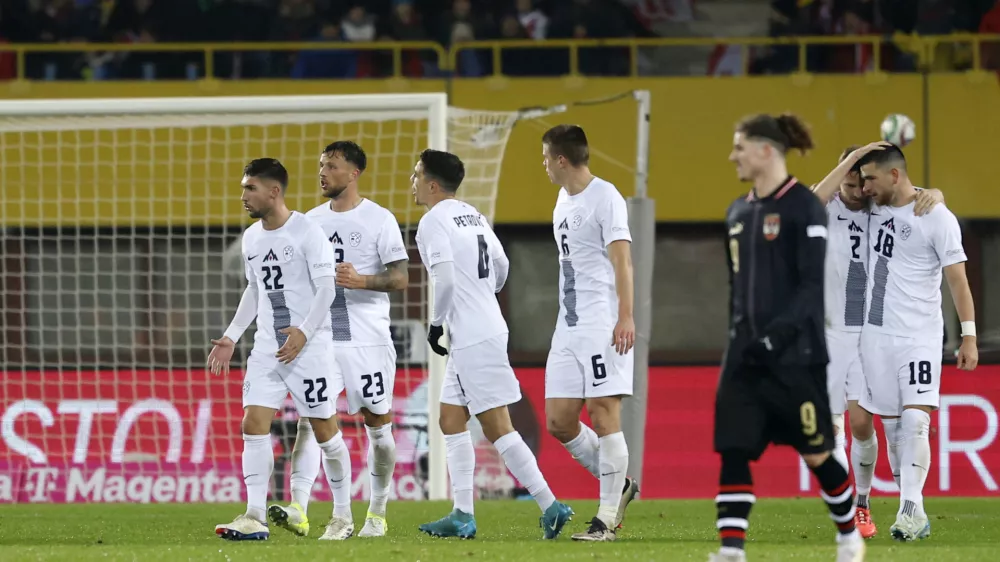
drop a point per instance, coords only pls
(350, 151)
(568, 141)
(267, 169)
(786, 130)
(891, 154)
(443, 167)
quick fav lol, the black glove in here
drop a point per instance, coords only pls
(760, 351)
(767, 349)
(433, 335)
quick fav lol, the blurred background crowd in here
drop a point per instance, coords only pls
(450, 23)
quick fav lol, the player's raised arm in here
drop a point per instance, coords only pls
(810, 231)
(392, 252)
(320, 260)
(830, 185)
(222, 352)
(947, 241)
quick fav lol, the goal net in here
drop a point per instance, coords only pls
(119, 245)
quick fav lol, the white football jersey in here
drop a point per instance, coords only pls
(283, 262)
(906, 256)
(845, 284)
(454, 231)
(584, 224)
(367, 237)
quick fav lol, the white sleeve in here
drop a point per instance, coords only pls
(501, 265)
(947, 239)
(435, 247)
(318, 253)
(444, 289)
(247, 309)
(390, 242)
(319, 310)
(613, 218)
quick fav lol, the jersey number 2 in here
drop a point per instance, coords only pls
(484, 258)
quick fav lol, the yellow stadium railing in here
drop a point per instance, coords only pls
(925, 48)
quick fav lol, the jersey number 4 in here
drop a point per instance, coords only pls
(272, 277)
(484, 257)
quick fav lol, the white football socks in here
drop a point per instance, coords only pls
(461, 469)
(306, 460)
(864, 454)
(893, 437)
(381, 465)
(915, 457)
(258, 462)
(523, 465)
(337, 463)
(613, 466)
(840, 442)
(584, 448)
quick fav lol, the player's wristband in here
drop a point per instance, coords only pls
(968, 329)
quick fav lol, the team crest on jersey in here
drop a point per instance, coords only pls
(905, 230)
(289, 252)
(772, 226)
(577, 221)
(355, 239)
(271, 256)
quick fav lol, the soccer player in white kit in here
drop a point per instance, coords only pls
(590, 361)
(901, 339)
(844, 300)
(469, 266)
(371, 261)
(290, 273)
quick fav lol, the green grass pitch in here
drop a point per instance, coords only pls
(962, 529)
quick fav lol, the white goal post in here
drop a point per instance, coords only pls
(116, 219)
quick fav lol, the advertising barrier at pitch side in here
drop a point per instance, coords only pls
(173, 436)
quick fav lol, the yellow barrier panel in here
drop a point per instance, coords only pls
(690, 137)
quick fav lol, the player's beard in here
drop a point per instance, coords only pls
(333, 192)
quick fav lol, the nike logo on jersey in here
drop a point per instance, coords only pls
(840, 218)
(377, 401)
(924, 391)
(598, 383)
(253, 257)
(311, 406)
(867, 465)
(271, 256)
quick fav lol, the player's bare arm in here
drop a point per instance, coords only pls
(926, 200)
(620, 254)
(394, 278)
(958, 284)
(830, 185)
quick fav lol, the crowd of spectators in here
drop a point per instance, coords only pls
(445, 23)
(886, 18)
